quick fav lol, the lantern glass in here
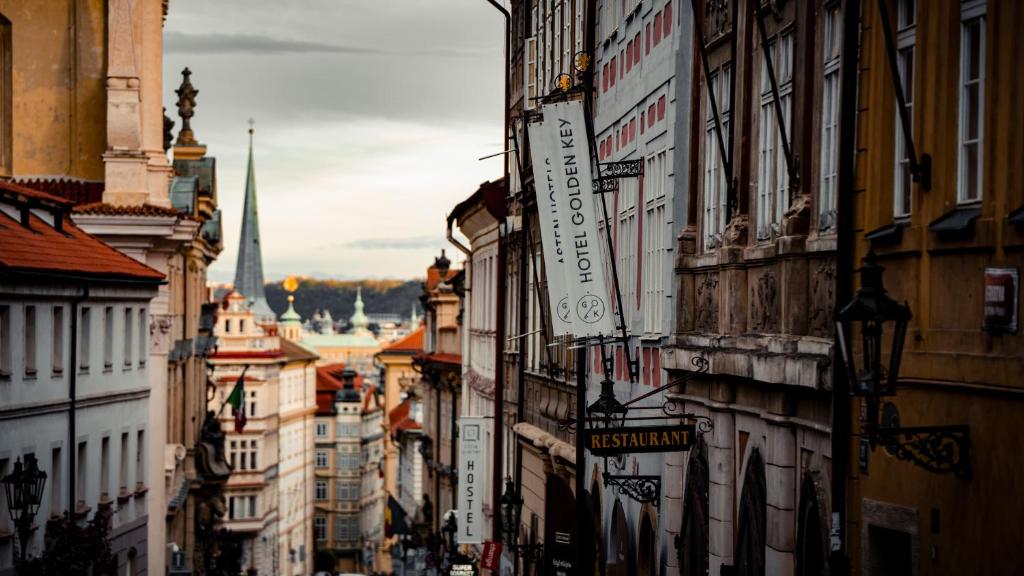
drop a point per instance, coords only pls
(874, 311)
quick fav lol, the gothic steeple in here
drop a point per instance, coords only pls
(249, 271)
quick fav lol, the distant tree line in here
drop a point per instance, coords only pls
(338, 296)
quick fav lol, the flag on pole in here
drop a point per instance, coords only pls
(237, 401)
(394, 518)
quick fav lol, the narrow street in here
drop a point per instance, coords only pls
(511, 288)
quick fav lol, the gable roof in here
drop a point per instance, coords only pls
(38, 247)
(412, 342)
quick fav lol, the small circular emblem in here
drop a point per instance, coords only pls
(590, 309)
(564, 310)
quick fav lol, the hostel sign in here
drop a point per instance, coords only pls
(614, 441)
(472, 478)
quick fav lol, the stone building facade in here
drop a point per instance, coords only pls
(755, 278)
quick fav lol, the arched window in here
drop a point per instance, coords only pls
(599, 541)
(693, 549)
(646, 547)
(810, 547)
(750, 542)
(620, 557)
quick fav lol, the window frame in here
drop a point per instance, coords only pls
(828, 167)
(974, 10)
(906, 42)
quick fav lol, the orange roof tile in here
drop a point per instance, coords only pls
(370, 400)
(12, 189)
(434, 276)
(40, 248)
(413, 342)
(398, 418)
(69, 189)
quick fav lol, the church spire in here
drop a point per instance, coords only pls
(249, 271)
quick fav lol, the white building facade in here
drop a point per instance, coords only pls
(74, 373)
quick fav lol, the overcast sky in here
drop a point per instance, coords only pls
(370, 117)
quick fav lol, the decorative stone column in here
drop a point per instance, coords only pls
(126, 177)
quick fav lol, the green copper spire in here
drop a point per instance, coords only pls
(290, 315)
(249, 271)
(359, 320)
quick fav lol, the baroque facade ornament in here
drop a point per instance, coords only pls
(823, 299)
(186, 108)
(707, 303)
(764, 317)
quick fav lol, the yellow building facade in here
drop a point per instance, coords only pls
(944, 251)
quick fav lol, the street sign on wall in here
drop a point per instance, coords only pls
(472, 478)
(586, 280)
(1002, 286)
(613, 441)
(552, 226)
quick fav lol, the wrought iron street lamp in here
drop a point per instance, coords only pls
(938, 449)
(511, 509)
(442, 264)
(24, 491)
(875, 312)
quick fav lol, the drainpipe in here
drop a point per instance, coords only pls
(73, 398)
(499, 309)
(838, 542)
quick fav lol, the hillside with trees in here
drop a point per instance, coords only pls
(339, 296)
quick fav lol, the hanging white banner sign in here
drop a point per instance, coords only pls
(542, 147)
(586, 281)
(472, 478)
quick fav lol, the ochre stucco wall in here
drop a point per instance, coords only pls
(59, 99)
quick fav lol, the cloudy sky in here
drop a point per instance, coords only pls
(370, 119)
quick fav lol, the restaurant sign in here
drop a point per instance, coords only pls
(613, 441)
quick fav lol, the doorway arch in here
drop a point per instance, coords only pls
(597, 511)
(694, 539)
(811, 550)
(647, 542)
(620, 553)
(752, 536)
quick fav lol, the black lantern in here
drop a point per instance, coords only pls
(607, 407)
(875, 312)
(442, 264)
(511, 505)
(938, 449)
(24, 490)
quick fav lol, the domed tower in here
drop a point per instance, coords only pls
(290, 322)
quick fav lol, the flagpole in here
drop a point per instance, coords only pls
(241, 379)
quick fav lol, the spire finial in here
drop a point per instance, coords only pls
(186, 108)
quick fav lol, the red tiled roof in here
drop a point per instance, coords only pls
(41, 248)
(328, 382)
(434, 276)
(104, 209)
(16, 190)
(413, 342)
(238, 355)
(324, 402)
(443, 358)
(68, 189)
(398, 418)
(370, 400)
(224, 379)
